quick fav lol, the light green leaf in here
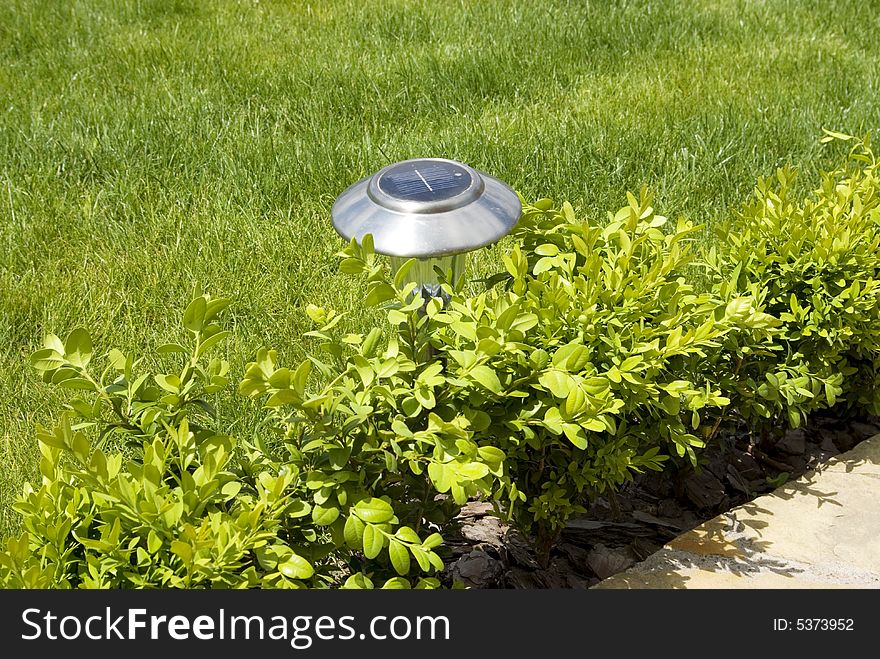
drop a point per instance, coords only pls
(358, 581)
(354, 532)
(194, 316)
(396, 317)
(524, 322)
(81, 447)
(831, 134)
(575, 402)
(575, 434)
(47, 359)
(215, 306)
(442, 475)
(368, 348)
(672, 404)
(364, 370)
(438, 565)
(300, 376)
(432, 541)
(473, 470)
(402, 272)
(596, 425)
(296, 567)
(479, 420)
(283, 397)
(459, 494)
(491, 455)
(374, 510)
(558, 383)
(316, 314)
(406, 534)
(401, 429)
(399, 557)
(352, 266)
(164, 349)
(571, 357)
(421, 557)
(53, 343)
(410, 406)
(78, 347)
(230, 489)
(396, 583)
(373, 540)
(168, 382)
(210, 342)
(485, 376)
(77, 383)
(183, 550)
(379, 292)
(324, 515)
(280, 379)
(388, 368)
(154, 542)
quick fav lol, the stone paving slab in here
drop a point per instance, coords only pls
(820, 531)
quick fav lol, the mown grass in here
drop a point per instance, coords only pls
(146, 145)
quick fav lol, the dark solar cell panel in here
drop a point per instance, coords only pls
(425, 181)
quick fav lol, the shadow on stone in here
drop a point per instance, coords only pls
(822, 530)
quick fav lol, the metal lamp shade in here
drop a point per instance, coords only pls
(427, 207)
(432, 209)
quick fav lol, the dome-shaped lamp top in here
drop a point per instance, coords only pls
(427, 207)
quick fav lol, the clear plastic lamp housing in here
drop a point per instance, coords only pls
(431, 209)
(423, 274)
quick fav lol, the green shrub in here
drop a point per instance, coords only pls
(815, 264)
(550, 388)
(578, 369)
(187, 505)
(593, 356)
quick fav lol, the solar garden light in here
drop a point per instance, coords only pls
(431, 209)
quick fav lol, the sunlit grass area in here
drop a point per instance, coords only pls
(147, 145)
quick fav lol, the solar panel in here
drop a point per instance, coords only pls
(425, 180)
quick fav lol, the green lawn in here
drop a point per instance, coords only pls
(149, 144)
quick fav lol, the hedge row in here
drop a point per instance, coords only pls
(600, 351)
